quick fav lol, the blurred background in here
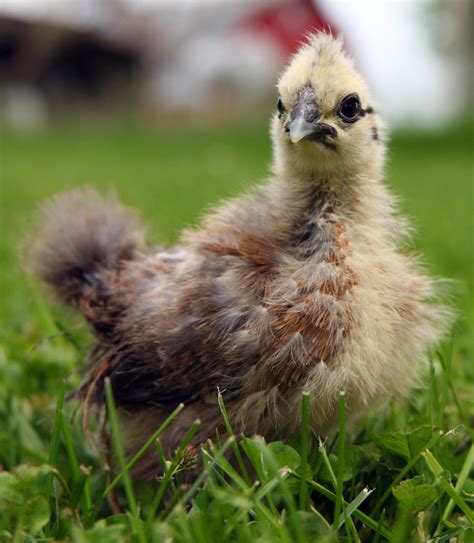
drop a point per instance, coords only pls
(168, 101)
(215, 59)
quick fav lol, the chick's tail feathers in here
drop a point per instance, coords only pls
(82, 241)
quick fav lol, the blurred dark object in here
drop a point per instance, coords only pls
(55, 67)
(172, 59)
(217, 60)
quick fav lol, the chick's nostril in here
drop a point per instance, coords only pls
(312, 116)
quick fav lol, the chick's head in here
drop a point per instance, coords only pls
(325, 123)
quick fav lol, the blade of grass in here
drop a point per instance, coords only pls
(438, 471)
(166, 464)
(435, 412)
(215, 479)
(271, 462)
(272, 483)
(53, 527)
(75, 469)
(321, 518)
(403, 525)
(243, 486)
(332, 475)
(79, 489)
(360, 498)
(164, 483)
(71, 453)
(279, 481)
(170, 467)
(53, 450)
(304, 450)
(320, 462)
(62, 481)
(135, 522)
(363, 517)
(463, 475)
(235, 445)
(257, 463)
(227, 468)
(269, 515)
(446, 362)
(388, 492)
(204, 473)
(145, 447)
(379, 527)
(327, 464)
(341, 462)
(256, 497)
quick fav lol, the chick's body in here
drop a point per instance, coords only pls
(299, 285)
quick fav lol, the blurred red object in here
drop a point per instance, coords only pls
(287, 22)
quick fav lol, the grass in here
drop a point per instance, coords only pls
(402, 473)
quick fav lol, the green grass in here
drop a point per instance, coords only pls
(402, 473)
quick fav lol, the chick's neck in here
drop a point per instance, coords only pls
(300, 198)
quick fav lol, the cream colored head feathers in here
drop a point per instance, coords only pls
(325, 124)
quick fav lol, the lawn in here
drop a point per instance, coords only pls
(415, 457)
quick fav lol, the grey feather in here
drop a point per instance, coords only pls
(81, 234)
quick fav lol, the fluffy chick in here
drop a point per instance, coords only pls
(299, 285)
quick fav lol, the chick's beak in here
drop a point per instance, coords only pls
(304, 115)
(304, 121)
(300, 128)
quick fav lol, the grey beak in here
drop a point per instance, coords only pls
(304, 115)
(300, 128)
(304, 119)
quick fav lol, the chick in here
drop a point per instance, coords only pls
(299, 285)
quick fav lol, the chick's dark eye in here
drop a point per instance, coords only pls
(281, 108)
(349, 109)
